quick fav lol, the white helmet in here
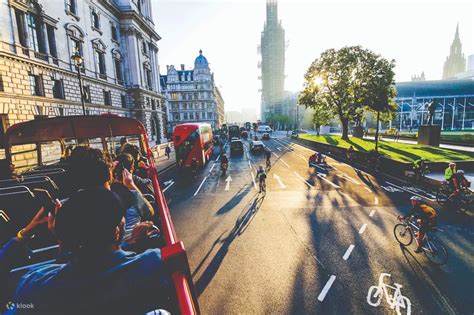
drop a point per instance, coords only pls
(460, 172)
(416, 198)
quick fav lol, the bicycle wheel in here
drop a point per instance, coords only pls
(403, 303)
(436, 252)
(403, 234)
(374, 296)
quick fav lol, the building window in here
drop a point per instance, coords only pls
(86, 90)
(20, 22)
(118, 70)
(123, 99)
(113, 30)
(52, 41)
(139, 5)
(71, 6)
(95, 20)
(35, 34)
(107, 98)
(148, 77)
(36, 85)
(1, 84)
(153, 105)
(100, 64)
(58, 89)
(76, 45)
(144, 48)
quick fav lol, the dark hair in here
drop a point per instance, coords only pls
(133, 150)
(126, 160)
(89, 219)
(89, 167)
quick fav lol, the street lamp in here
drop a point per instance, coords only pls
(379, 75)
(79, 62)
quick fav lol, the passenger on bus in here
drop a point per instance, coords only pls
(67, 154)
(123, 144)
(93, 169)
(141, 167)
(100, 277)
(143, 184)
(7, 170)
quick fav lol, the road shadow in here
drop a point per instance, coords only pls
(234, 201)
(244, 219)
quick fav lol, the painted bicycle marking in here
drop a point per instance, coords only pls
(393, 296)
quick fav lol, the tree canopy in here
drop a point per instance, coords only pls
(346, 83)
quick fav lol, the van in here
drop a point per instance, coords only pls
(264, 128)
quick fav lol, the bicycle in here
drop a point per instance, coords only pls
(263, 185)
(433, 249)
(269, 164)
(464, 201)
(396, 301)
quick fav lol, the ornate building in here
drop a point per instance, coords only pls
(192, 95)
(455, 62)
(272, 49)
(120, 72)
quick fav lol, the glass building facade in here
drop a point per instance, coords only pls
(454, 101)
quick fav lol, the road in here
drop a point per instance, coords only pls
(314, 243)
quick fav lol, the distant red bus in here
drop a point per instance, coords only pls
(193, 140)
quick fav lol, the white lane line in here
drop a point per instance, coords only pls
(167, 187)
(278, 179)
(411, 192)
(280, 159)
(326, 288)
(376, 201)
(368, 189)
(362, 228)
(348, 252)
(320, 167)
(299, 176)
(253, 179)
(349, 178)
(250, 165)
(372, 213)
(218, 157)
(199, 188)
(328, 181)
(279, 148)
(212, 167)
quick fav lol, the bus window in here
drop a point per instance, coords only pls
(184, 149)
(51, 152)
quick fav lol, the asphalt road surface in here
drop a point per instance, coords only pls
(315, 242)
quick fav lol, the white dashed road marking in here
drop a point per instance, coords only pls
(199, 188)
(372, 213)
(348, 252)
(362, 228)
(326, 288)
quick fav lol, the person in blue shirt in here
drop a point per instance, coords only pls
(99, 277)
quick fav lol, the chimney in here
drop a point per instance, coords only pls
(167, 68)
(182, 67)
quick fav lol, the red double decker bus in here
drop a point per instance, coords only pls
(193, 140)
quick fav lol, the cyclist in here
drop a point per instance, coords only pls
(459, 182)
(419, 169)
(448, 174)
(426, 219)
(261, 176)
(268, 155)
(224, 162)
(350, 153)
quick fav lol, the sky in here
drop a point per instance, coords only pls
(417, 34)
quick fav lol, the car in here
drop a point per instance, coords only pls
(294, 134)
(266, 136)
(256, 146)
(236, 146)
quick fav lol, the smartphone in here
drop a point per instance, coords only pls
(44, 199)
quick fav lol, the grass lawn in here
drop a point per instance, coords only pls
(396, 150)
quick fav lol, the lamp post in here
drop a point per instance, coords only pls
(379, 75)
(79, 62)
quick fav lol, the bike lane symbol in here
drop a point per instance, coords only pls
(393, 296)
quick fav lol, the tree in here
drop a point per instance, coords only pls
(344, 82)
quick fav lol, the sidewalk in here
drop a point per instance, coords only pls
(444, 146)
(163, 162)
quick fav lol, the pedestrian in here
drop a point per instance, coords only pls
(168, 151)
(397, 135)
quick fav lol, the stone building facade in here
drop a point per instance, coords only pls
(117, 41)
(192, 95)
